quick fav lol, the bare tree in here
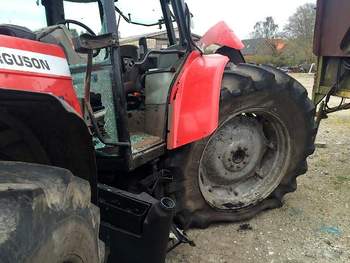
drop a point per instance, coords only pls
(265, 29)
(301, 24)
(265, 33)
(299, 32)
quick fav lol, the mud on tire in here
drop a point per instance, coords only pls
(265, 134)
(46, 216)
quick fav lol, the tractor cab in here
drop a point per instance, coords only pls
(123, 89)
(129, 83)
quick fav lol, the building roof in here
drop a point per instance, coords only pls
(159, 35)
(262, 45)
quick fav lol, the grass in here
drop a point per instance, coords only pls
(342, 179)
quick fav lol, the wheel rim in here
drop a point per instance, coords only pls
(72, 259)
(244, 160)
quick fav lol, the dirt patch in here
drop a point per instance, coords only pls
(312, 226)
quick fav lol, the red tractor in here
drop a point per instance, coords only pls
(87, 123)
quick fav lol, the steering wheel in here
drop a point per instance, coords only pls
(88, 29)
(71, 21)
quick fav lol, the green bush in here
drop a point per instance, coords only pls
(277, 61)
(295, 53)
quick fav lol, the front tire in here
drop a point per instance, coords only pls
(265, 134)
(46, 212)
(47, 216)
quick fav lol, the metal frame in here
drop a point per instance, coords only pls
(179, 12)
(168, 23)
(54, 11)
(117, 83)
(328, 48)
(320, 89)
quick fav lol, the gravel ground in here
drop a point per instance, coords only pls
(312, 226)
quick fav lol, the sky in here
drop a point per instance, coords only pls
(240, 15)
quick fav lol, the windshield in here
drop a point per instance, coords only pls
(137, 20)
(145, 12)
(27, 13)
(86, 13)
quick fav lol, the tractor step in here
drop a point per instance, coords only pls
(143, 141)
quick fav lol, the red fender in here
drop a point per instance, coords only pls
(194, 99)
(221, 34)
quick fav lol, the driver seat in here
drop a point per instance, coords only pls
(60, 35)
(17, 31)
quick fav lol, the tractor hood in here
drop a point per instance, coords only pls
(221, 34)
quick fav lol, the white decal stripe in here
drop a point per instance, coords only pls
(56, 65)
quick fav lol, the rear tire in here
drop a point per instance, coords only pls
(265, 134)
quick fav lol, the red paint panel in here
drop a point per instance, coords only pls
(30, 45)
(221, 34)
(60, 87)
(194, 100)
(56, 81)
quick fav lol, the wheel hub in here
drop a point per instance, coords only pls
(239, 148)
(236, 158)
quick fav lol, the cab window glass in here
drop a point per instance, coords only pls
(27, 13)
(86, 13)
